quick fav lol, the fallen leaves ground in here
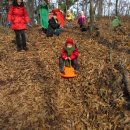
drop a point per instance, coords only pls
(33, 96)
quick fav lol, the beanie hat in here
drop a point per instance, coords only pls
(69, 41)
(56, 10)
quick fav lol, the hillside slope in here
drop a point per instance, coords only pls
(33, 96)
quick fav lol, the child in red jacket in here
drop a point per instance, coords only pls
(18, 18)
(69, 54)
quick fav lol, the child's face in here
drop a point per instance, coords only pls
(19, 1)
(69, 45)
(54, 16)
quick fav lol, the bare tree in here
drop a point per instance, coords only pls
(100, 7)
(83, 2)
(77, 7)
(67, 4)
(86, 7)
(92, 13)
(116, 8)
(109, 7)
(30, 7)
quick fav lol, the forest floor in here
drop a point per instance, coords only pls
(33, 96)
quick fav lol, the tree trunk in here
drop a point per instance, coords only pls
(67, 5)
(92, 13)
(104, 13)
(35, 3)
(30, 7)
(91, 16)
(77, 8)
(100, 8)
(109, 5)
(116, 8)
(83, 5)
(86, 8)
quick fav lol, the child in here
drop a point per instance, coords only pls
(43, 11)
(69, 54)
(82, 21)
(54, 27)
(69, 18)
(18, 18)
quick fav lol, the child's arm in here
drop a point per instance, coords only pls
(63, 54)
(74, 54)
(26, 15)
(10, 14)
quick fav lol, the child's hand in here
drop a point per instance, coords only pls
(66, 58)
(69, 58)
(29, 24)
(9, 24)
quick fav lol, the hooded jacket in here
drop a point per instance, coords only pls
(18, 17)
(73, 55)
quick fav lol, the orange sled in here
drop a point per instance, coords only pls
(68, 72)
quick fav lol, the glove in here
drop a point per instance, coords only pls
(69, 58)
(9, 24)
(28, 24)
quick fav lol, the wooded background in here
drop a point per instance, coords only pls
(90, 7)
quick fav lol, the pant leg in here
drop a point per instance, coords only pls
(23, 38)
(18, 39)
(50, 32)
(75, 64)
(81, 26)
(44, 30)
(57, 32)
(61, 64)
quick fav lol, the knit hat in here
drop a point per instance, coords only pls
(69, 41)
(56, 10)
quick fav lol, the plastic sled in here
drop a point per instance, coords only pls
(69, 72)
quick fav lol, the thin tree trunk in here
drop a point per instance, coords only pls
(30, 7)
(104, 11)
(83, 5)
(116, 8)
(92, 13)
(100, 8)
(86, 7)
(109, 5)
(91, 16)
(67, 5)
(77, 8)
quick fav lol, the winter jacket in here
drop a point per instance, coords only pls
(82, 20)
(74, 54)
(43, 9)
(52, 27)
(69, 17)
(18, 17)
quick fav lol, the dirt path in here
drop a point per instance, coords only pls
(33, 96)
